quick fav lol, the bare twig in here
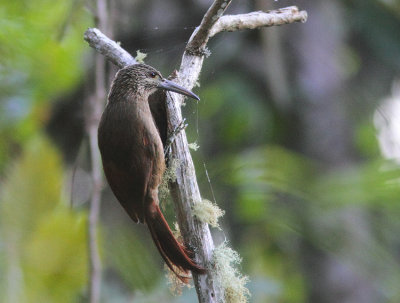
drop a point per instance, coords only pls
(94, 254)
(109, 48)
(185, 190)
(201, 34)
(259, 19)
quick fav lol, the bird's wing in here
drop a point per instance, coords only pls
(129, 182)
(159, 112)
(127, 191)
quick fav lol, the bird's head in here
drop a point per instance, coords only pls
(146, 79)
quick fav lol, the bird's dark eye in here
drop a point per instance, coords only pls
(153, 74)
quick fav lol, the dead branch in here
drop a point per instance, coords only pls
(108, 48)
(253, 20)
(185, 190)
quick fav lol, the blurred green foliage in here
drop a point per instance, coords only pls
(131, 259)
(41, 46)
(232, 100)
(44, 241)
(40, 58)
(267, 190)
(278, 190)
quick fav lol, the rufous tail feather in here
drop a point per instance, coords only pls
(173, 253)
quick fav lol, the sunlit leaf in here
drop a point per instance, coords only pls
(130, 258)
(55, 258)
(44, 240)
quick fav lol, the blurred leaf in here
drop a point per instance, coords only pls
(277, 277)
(366, 141)
(44, 241)
(237, 114)
(55, 258)
(252, 206)
(40, 57)
(273, 170)
(130, 258)
(30, 49)
(32, 189)
(295, 192)
(374, 184)
(270, 169)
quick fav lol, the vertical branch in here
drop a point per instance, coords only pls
(95, 106)
(94, 254)
(185, 190)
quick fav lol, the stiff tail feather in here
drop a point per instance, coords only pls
(174, 254)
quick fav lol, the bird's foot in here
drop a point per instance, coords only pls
(171, 136)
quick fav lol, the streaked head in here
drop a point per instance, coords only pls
(146, 79)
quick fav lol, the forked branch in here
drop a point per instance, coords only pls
(185, 190)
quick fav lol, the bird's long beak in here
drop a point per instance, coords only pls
(169, 85)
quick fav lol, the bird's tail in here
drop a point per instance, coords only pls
(174, 254)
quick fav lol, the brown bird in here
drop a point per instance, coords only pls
(131, 134)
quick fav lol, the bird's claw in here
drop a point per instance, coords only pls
(171, 136)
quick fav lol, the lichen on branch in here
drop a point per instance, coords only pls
(225, 264)
(208, 212)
